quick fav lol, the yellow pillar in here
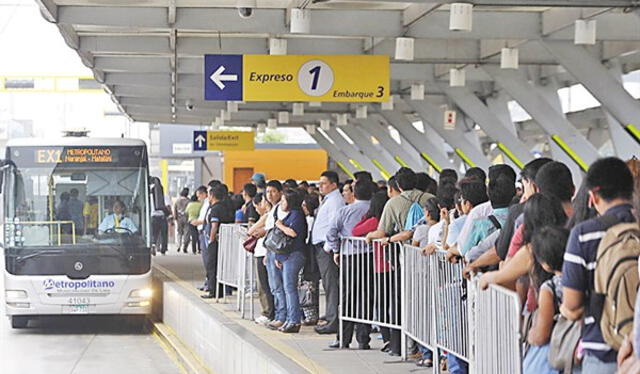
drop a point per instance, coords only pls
(164, 167)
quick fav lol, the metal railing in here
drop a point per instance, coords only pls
(418, 297)
(370, 283)
(496, 330)
(235, 265)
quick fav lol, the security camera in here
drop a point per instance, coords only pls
(189, 105)
(246, 7)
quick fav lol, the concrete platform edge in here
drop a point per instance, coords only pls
(221, 344)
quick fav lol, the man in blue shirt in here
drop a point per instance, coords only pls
(332, 201)
(117, 220)
(610, 186)
(346, 219)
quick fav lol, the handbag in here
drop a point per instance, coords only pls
(277, 241)
(564, 340)
(250, 243)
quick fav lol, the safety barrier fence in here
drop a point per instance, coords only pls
(235, 267)
(369, 283)
(427, 298)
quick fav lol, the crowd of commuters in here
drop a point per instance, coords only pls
(534, 233)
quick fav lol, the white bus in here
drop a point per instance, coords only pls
(75, 228)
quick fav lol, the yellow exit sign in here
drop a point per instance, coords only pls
(349, 78)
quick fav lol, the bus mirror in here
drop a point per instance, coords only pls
(78, 176)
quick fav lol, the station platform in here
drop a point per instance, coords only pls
(224, 343)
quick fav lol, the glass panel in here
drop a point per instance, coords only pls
(61, 205)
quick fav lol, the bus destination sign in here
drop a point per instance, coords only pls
(76, 155)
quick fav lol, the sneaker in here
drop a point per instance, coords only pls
(275, 325)
(262, 320)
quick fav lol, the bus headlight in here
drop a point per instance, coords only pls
(144, 293)
(16, 294)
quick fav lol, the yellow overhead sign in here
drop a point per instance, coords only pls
(223, 141)
(334, 78)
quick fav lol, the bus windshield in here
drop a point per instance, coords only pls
(56, 203)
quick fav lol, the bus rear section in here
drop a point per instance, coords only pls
(76, 229)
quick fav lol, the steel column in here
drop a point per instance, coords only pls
(351, 151)
(341, 159)
(546, 115)
(429, 150)
(433, 116)
(509, 144)
(603, 85)
(378, 156)
(400, 154)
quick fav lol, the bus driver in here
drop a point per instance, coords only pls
(117, 220)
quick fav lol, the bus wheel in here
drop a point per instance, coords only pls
(19, 322)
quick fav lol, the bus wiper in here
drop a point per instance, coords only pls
(38, 254)
(122, 254)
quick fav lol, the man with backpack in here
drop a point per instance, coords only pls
(594, 254)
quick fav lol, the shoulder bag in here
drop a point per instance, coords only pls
(276, 240)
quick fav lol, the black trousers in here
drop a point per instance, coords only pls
(195, 240)
(160, 230)
(382, 299)
(330, 274)
(357, 297)
(212, 269)
(264, 290)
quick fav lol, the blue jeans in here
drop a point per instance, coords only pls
(284, 286)
(426, 352)
(591, 364)
(457, 365)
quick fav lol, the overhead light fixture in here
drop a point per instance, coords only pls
(342, 119)
(457, 78)
(298, 109)
(325, 124)
(404, 49)
(300, 21)
(585, 32)
(277, 46)
(311, 129)
(509, 58)
(283, 117)
(315, 104)
(219, 122)
(361, 112)
(232, 106)
(272, 124)
(417, 91)
(460, 17)
(262, 128)
(388, 105)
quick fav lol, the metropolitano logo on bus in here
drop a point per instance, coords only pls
(51, 285)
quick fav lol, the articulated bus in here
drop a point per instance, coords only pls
(75, 228)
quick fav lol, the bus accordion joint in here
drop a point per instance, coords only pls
(431, 162)
(465, 158)
(570, 152)
(507, 152)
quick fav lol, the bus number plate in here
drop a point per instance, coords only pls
(75, 309)
(78, 301)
